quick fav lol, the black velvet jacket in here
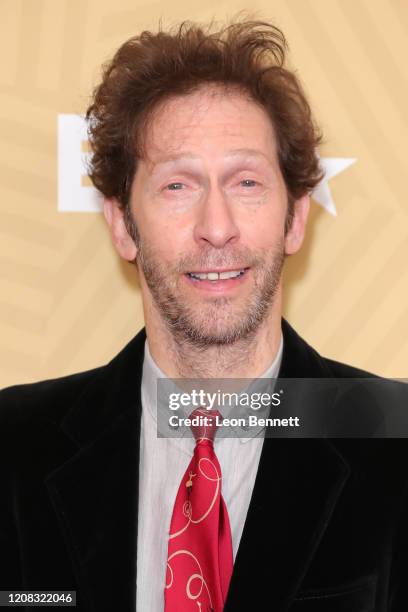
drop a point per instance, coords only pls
(326, 530)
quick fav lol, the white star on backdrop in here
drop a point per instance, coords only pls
(331, 166)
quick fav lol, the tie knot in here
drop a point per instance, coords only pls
(205, 423)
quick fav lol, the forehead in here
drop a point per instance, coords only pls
(209, 121)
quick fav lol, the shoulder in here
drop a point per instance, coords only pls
(44, 405)
(369, 418)
(301, 360)
(51, 399)
(345, 370)
(31, 437)
(46, 399)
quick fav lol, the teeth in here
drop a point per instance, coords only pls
(230, 274)
(213, 276)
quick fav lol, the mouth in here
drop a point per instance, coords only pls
(217, 280)
(214, 275)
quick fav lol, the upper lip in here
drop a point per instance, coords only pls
(217, 270)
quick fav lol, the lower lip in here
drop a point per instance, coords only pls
(220, 285)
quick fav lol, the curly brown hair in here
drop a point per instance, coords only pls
(152, 67)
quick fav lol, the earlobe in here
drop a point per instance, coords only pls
(296, 233)
(121, 239)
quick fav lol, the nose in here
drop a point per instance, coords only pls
(215, 223)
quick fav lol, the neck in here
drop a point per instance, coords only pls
(246, 358)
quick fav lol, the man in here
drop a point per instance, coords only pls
(204, 149)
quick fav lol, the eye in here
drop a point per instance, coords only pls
(175, 186)
(248, 183)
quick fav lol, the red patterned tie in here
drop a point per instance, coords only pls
(199, 559)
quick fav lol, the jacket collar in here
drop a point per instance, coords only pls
(95, 493)
(113, 392)
(115, 388)
(299, 359)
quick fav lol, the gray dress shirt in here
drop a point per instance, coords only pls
(163, 462)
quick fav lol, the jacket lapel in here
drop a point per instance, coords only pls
(94, 493)
(295, 492)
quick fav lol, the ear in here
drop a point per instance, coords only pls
(114, 215)
(296, 233)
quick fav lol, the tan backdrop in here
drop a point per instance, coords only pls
(67, 302)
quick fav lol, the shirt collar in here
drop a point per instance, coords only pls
(152, 373)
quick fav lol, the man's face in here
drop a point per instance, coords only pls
(209, 203)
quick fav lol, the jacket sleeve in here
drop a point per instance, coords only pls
(10, 570)
(398, 592)
(10, 574)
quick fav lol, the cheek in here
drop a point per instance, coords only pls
(264, 229)
(166, 239)
(161, 226)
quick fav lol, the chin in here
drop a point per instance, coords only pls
(217, 331)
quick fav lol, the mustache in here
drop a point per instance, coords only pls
(236, 257)
(239, 259)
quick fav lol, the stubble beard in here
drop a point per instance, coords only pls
(213, 320)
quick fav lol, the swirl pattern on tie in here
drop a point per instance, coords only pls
(199, 561)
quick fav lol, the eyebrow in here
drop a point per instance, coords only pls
(189, 155)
